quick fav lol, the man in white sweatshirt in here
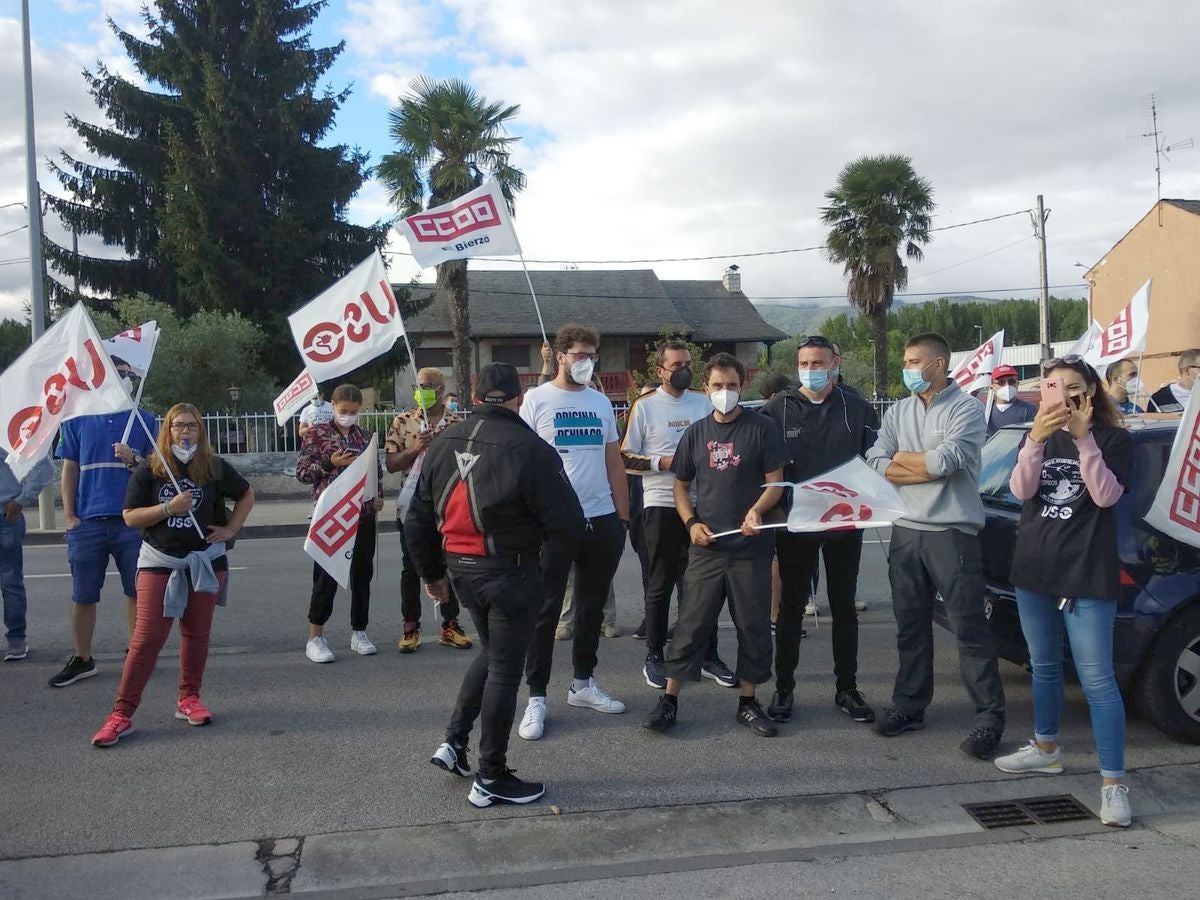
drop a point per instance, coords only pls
(656, 423)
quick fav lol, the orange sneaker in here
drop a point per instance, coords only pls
(192, 711)
(115, 727)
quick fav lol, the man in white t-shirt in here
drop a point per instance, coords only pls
(579, 423)
(656, 423)
(318, 412)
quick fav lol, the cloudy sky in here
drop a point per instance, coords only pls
(689, 128)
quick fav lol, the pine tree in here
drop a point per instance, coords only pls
(219, 192)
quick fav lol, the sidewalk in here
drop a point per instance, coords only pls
(269, 518)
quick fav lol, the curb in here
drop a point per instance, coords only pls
(387, 525)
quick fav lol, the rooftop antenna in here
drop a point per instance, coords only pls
(1162, 148)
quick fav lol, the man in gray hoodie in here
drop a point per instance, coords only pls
(929, 447)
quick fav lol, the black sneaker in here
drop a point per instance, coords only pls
(781, 707)
(452, 759)
(752, 716)
(853, 705)
(981, 743)
(75, 670)
(719, 672)
(508, 788)
(663, 716)
(654, 671)
(639, 633)
(895, 722)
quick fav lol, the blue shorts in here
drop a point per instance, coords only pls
(88, 548)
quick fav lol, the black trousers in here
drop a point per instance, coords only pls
(709, 580)
(410, 588)
(950, 563)
(503, 600)
(637, 528)
(362, 570)
(667, 546)
(799, 556)
(596, 558)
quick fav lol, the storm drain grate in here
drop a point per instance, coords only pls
(1028, 811)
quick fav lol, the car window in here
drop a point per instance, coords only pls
(999, 460)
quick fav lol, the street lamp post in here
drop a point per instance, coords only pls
(979, 335)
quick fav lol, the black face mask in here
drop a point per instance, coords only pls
(681, 379)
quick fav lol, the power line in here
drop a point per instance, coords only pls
(13, 230)
(973, 258)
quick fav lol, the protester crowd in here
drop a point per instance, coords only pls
(501, 509)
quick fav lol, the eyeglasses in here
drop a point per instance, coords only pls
(816, 340)
(182, 427)
(579, 355)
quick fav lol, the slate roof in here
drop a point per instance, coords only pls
(1192, 206)
(631, 302)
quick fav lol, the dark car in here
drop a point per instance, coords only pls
(1157, 639)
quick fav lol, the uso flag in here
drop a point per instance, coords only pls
(66, 373)
(349, 324)
(330, 540)
(1176, 508)
(975, 372)
(476, 224)
(135, 346)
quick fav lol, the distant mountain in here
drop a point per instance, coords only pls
(796, 318)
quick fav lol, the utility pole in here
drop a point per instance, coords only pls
(1039, 231)
(33, 203)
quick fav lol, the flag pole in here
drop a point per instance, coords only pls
(533, 294)
(137, 400)
(171, 474)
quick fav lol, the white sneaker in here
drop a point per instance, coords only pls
(810, 609)
(1031, 758)
(317, 650)
(533, 725)
(361, 644)
(593, 697)
(1114, 805)
(860, 605)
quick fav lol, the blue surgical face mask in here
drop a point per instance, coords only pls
(915, 381)
(813, 379)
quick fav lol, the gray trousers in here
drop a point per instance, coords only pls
(950, 563)
(710, 579)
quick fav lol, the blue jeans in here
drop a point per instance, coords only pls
(1090, 629)
(90, 544)
(12, 577)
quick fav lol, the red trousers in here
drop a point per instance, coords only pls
(150, 633)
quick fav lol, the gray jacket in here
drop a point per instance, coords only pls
(951, 432)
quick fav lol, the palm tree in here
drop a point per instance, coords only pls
(449, 139)
(879, 204)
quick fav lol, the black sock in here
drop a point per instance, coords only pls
(673, 701)
(745, 701)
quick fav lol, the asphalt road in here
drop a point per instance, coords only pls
(299, 749)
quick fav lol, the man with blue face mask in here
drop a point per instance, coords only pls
(824, 426)
(929, 447)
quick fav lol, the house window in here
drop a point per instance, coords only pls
(434, 357)
(514, 354)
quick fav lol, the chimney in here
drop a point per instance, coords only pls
(732, 280)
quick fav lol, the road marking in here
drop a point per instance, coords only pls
(68, 574)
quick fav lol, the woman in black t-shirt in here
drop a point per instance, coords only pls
(182, 569)
(1071, 471)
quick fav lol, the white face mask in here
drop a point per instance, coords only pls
(724, 401)
(1133, 387)
(347, 421)
(1006, 394)
(128, 382)
(581, 371)
(184, 453)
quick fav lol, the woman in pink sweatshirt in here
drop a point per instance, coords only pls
(1071, 471)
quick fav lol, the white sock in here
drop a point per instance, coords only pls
(578, 684)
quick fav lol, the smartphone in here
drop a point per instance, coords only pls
(1054, 394)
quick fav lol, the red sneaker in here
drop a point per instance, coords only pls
(115, 727)
(193, 711)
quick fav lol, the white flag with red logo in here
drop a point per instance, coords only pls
(851, 496)
(1125, 335)
(335, 518)
(476, 224)
(349, 324)
(66, 373)
(302, 389)
(135, 346)
(1087, 340)
(1176, 508)
(975, 372)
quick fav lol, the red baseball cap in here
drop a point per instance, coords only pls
(1004, 372)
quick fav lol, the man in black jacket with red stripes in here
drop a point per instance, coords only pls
(491, 493)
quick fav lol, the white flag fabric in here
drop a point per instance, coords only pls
(349, 324)
(975, 372)
(302, 389)
(1125, 335)
(335, 518)
(851, 496)
(1087, 340)
(1176, 508)
(66, 373)
(476, 224)
(135, 346)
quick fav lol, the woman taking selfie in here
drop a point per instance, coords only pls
(1071, 471)
(182, 568)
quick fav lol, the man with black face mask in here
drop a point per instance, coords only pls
(657, 421)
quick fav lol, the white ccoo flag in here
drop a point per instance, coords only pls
(335, 518)
(1087, 340)
(1125, 335)
(1176, 507)
(476, 224)
(975, 372)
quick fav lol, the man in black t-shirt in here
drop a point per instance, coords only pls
(727, 457)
